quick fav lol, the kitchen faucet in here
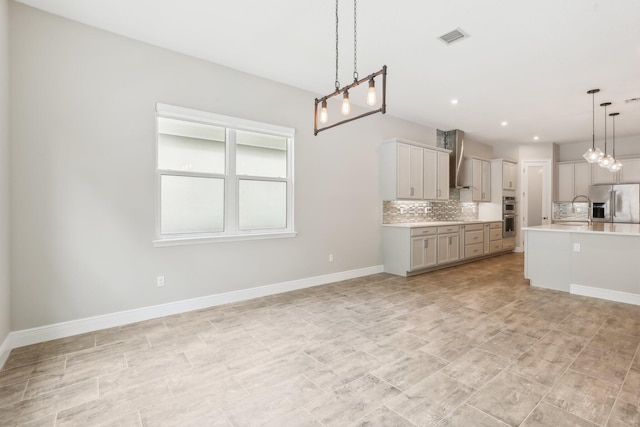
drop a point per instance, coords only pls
(589, 209)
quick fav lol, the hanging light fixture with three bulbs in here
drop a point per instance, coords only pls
(322, 116)
(594, 154)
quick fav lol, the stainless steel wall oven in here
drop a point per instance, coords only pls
(508, 216)
(509, 226)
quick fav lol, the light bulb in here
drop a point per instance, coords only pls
(372, 97)
(324, 116)
(615, 166)
(593, 155)
(606, 161)
(346, 107)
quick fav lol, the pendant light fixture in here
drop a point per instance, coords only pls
(616, 165)
(607, 160)
(371, 98)
(593, 154)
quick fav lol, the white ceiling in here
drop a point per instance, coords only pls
(528, 63)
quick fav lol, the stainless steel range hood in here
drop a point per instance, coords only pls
(453, 140)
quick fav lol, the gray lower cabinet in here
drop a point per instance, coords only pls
(423, 252)
(473, 240)
(411, 250)
(495, 237)
(407, 250)
(448, 248)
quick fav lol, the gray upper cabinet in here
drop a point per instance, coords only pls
(478, 178)
(574, 178)
(410, 171)
(509, 175)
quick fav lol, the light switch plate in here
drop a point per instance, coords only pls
(576, 247)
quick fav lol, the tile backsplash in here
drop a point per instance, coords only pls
(578, 211)
(397, 211)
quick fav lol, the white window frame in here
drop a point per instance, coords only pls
(231, 208)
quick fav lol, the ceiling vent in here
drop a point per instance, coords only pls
(453, 36)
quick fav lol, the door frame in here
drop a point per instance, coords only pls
(547, 193)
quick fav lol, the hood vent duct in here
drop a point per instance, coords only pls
(453, 140)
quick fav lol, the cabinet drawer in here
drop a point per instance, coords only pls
(424, 231)
(449, 229)
(473, 250)
(495, 246)
(473, 227)
(472, 237)
(496, 225)
(495, 234)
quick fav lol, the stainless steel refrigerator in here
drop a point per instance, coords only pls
(615, 203)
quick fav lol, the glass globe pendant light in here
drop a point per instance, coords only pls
(608, 159)
(616, 165)
(593, 154)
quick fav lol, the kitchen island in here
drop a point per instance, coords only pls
(601, 260)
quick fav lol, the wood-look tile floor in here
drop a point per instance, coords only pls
(472, 345)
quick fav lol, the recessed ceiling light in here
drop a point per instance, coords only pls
(535, 138)
(503, 124)
(454, 101)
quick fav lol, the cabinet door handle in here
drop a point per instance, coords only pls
(426, 243)
(411, 191)
(439, 193)
(510, 184)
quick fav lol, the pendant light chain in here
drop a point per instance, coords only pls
(613, 151)
(593, 118)
(337, 83)
(355, 40)
(605, 128)
(321, 113)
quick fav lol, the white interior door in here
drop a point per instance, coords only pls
(536, 194)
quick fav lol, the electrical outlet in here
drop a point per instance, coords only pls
(576, 247)
(160, 281)
(330, 257)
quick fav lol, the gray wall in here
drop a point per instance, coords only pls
(4, 173)
(625, 146)
(84, 186)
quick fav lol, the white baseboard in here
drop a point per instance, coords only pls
(618, 296)
(90, 324)
(5, 349)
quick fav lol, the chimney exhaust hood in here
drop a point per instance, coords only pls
(453, 140)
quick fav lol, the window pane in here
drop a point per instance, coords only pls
(262, 204)
(187, 146)
(261, 155)
(191, 205)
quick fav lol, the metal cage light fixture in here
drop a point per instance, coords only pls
(321, 115)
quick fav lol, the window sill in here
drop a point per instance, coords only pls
(179, 241)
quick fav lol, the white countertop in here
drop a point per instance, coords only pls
(437, 223)
(595, 228)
